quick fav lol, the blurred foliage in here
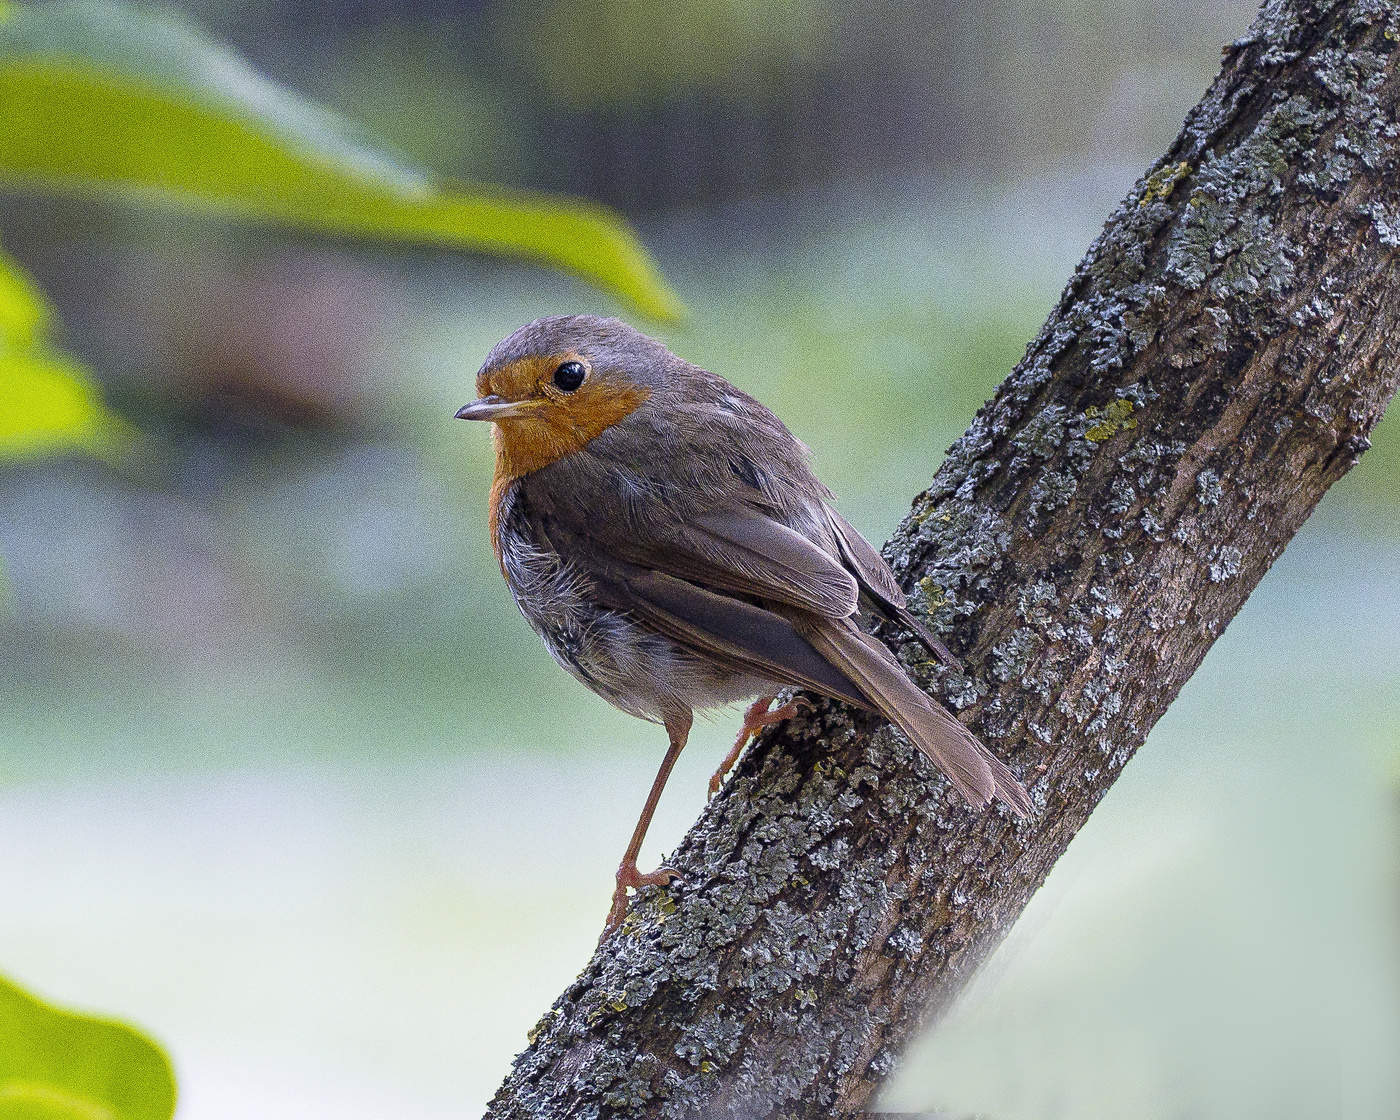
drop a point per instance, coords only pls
(24, 313)
(48, 404)
(58, 1065)
(103, 97)
(602, 52)
(47, 401)
(413, 83)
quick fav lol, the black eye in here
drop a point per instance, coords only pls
(569, 376)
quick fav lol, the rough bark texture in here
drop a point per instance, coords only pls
(1213, 366)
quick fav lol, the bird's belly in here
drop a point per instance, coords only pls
(628, 663)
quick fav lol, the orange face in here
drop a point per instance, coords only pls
(547, 406)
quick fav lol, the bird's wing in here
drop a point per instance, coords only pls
(731, 631)
(864, 561)
(877, 582)
(741, 551)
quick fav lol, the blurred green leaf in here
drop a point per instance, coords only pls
(24, 313)
(59, 1065)
(47, 404)
(98, 96)
(47, 401)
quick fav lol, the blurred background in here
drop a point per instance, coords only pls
(284, 777)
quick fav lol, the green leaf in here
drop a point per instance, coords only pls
(103, 97)
(24, 313)
(48, 404)
(60, 1065)
(47, 401)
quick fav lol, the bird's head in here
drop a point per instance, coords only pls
(556, 383)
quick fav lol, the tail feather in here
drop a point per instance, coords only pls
(920, 631)
(976, 773)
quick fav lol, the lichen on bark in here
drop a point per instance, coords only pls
(1213, 365)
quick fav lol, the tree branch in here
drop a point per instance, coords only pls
(1215, 363)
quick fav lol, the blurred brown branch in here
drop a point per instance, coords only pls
(1214, 365)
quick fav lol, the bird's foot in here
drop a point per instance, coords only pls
(756, 718)
(629, 876)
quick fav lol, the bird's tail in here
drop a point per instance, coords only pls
(976, 773)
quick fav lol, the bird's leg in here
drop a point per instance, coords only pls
(678, 729)
(756, 718)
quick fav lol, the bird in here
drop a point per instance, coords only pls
(665, 535)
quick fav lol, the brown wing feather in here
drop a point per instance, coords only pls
(864, 561)
(741, 550)
(878, 582)
(733, 632)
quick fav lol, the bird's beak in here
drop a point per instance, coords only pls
(492, 408)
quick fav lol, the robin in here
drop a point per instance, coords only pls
(664, 534)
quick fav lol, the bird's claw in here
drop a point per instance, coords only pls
(755, 720)
(631, 877)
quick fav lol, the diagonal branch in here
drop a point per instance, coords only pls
(1215, 363)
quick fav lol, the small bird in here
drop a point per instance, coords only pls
(665, 536)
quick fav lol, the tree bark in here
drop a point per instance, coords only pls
(1214, 364)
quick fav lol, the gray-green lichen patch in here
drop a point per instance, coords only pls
(1162, 182)
(1043, 434)
(1121, 497)
(961, 691)
(969, 540)
(1386, 222)
(905, 941)
(1035, 601)
(1151, 525)
(1009, 658)
(1208, 488)
(1256, 261)
(1107, 422)
(1226, 564)
(1050, 492)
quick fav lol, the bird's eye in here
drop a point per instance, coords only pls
(569, 376)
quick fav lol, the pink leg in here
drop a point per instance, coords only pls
(627, 874)
(756, 718)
